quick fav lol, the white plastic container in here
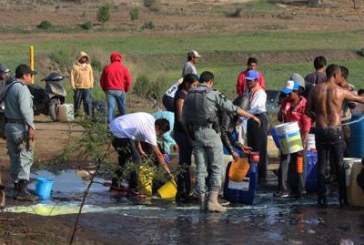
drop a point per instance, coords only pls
(311, 142)
(289, 137)
(354, 191)
(65, 113)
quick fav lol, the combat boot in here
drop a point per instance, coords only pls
(23, 194)
(213, 204)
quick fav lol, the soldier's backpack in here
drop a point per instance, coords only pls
(196, 108)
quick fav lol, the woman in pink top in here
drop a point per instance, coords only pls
(292, 110)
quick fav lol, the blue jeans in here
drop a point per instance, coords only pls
(85, 96)
(209, 157)
(115, 97)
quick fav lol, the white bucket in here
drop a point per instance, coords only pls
(311, 143)
(289, 137)
(348, 165)
(65, 113)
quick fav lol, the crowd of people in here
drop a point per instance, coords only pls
(199, 121)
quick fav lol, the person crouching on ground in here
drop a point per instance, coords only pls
(292, 110)
(129, 131)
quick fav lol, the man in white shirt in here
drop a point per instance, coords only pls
(129, 131)
(192, 59)
(257, 134)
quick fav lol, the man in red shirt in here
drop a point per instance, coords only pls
(241, 85)
(115, 80)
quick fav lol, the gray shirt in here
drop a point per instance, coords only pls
(19, 103)
(189, 68)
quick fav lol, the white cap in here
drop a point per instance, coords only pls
(194, 53)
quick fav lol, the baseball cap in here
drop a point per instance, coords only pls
(3, 69)
(194, 53)
(298, 79)
(290, 86)
(24, 69)
(252, 75)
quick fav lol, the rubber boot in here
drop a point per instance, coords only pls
(24, 194)
(203, 202)
(16, 190)
(213, 204)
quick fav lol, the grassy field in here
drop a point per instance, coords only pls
(225, 55)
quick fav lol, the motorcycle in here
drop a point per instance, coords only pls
(47, 99)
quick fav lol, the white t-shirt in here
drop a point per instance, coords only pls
(135, 126)
(189, 68)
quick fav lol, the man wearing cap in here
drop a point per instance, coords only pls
(292, 110)
(5, 77)
(20, 130)
(192, 59)
(257, 133)
(206, 141)
(241, 85)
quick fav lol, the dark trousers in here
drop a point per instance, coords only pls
(85, 96)
(257, 137)
(330, 141)
(127, 152)
(168, 103)
(288, 178)
(185, 152)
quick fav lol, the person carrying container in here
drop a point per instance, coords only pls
(324, 105)
(201, 119)
(290, 178)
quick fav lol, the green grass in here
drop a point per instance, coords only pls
(164, 55)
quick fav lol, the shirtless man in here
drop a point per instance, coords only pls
(324, 106)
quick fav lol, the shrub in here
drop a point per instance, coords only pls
(148, 25)
(87, 25)
(134, 14)
(158, 88)
(149, 3)
(152, 5)
(361, 52)
(96, 64)
(142, 86)
(45, 25)
(103, 14)
(236, 13)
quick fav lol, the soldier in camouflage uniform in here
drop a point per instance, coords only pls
(207, 145)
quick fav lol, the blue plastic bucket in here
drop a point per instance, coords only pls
(275, 137)
(356, 146)
(43, 188)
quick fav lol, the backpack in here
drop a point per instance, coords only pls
(196, 108)
(2, 108)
